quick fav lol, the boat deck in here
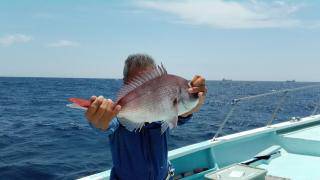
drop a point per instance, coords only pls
(310, 133)
(299, 158)
(293, 166)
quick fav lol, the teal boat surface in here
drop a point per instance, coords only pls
(288, 150)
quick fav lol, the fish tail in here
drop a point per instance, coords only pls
(78, 103)
(76, 106)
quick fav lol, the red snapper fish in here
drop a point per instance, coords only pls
(152, 96)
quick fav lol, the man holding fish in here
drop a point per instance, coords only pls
(150, 101)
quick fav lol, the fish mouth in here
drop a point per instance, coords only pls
(187, 107)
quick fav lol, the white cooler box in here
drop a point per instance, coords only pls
(238, 172)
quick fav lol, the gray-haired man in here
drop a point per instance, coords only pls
(143, 154)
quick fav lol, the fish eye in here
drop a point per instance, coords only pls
(194, 95)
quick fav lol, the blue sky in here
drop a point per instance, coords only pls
(241, 40)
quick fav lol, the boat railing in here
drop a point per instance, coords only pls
(284, 93)
(315, 110)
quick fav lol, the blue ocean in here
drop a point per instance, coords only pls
(40, 138)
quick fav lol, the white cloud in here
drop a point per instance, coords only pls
(63, 43)
(231, 14)
(11, 39)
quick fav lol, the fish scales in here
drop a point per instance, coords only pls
(156, 96)
(151, 100)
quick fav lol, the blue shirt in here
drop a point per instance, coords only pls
(139, 155)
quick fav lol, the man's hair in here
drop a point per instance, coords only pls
(137, 61)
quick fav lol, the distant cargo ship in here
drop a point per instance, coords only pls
(223, 79)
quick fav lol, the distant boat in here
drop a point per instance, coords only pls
(288, 81)
(223, 79)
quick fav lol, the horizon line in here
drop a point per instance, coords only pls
(115, 78)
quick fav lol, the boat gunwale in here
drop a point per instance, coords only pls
(282, 127)
(176, 153)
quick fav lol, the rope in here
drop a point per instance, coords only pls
(274, 114)
(315, 110)
(275, 92)
(224, 122)
(235, 102)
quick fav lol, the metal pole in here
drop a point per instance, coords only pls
(281, 101)
(315, 109)
(234, 103)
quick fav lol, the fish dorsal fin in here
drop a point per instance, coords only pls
(138, 80)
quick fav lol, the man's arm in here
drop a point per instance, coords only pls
(101, 112)
(198, 85)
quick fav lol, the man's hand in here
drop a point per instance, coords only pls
(101, 112)
(198, 85)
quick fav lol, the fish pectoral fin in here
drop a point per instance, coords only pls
(170, 123)
(131, 126)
